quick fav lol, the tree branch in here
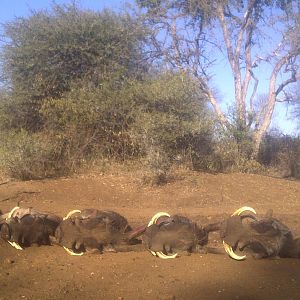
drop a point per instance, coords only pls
(253, 95)
(227, 41)
(292, 79)
(214, 103)
(273, 93)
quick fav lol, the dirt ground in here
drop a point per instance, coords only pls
(48, 272)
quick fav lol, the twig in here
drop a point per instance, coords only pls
(4, 182)
(17, 195)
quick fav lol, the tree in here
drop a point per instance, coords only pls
(50, 50)
(253, 35)
(296, 103)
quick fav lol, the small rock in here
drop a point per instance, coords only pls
(9, 261)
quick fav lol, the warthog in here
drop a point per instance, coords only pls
(22, 227)
(93, 230)
(264, 238)
(167, 235)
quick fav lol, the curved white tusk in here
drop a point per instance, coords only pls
(15, 245)
(72, 252)
(242, 209)
(231, 253)
(157, 216)
(164, 256)
(71, 213)
(11, 212)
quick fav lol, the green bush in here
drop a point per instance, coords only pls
(33, 156)
(281, 152)
(49, 51)
(171, 108)
(229, 155)
(80, 91)
(93, 121)
(171, 126)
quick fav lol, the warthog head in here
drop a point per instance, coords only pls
(22, 227)
(166, 235)
(267, 237)
(92, 229)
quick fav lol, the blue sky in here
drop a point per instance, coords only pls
(17, 8)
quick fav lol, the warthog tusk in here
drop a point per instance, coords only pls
(72, 212)
(231, 253)
(164, 256)
(12, 211)
(157, 216)
(15, 245)
(71, 252)
(242, 209)
(153, 221)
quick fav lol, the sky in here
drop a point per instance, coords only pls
(21, 8)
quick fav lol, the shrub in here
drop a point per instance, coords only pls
(157, 115)
(93, 120)
(49, 51)
(33, 156)
(159, 120)
(229, 155)
(173, 117)
(281, 152)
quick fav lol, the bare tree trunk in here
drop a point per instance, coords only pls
(182, 41)
(273, 92)
(257, 138)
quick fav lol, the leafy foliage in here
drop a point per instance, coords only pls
(77, 89)
(174, 122)
(49, 51)
(281, 152)
(33, 156)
